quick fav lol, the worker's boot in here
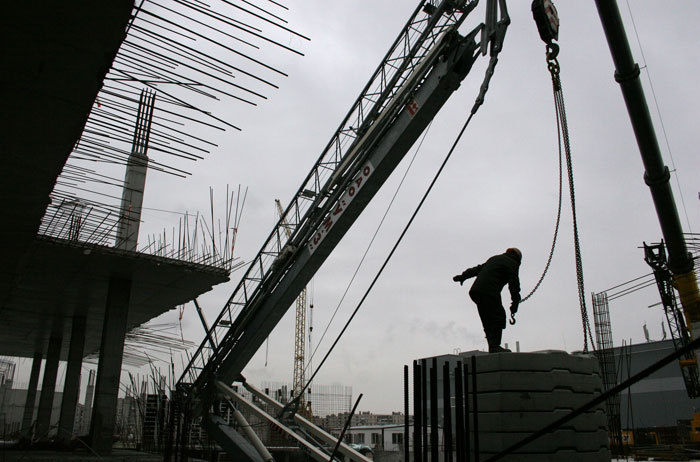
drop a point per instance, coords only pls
(493, 337)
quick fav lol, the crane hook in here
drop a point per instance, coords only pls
(512, 319)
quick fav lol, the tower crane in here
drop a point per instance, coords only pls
(424, 66)
(299, 332)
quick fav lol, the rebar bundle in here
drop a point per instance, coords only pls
(195, 57)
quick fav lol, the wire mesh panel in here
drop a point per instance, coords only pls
(606, 358)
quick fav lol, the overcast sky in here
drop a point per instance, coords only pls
(499, 189)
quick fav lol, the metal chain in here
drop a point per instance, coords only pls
(556, 226)
(554, 68)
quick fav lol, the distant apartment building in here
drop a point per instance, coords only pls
(335, 422)
(387, 437)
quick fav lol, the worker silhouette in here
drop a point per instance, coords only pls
(491, 277)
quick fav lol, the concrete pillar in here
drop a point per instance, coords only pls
(87, 411)
(31, 396)
(71, 386)
(48, 387)
(110, 365)
(135, 176)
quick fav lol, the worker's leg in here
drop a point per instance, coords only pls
(493, 318)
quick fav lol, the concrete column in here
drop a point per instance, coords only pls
(135, 176)
(87, 411)
(110, 365)
(48, 386)
(31, 396)
(71, 387)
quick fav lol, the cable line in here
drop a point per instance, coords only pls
(369, 246)
(661, 119)
(391, 253)
(479, 101)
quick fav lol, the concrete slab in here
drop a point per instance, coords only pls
(520, 393)
(560, 440)
(538, 382)
(527, 422)
(540, 361)
(78, 275)
(53, 67)
(531, 401)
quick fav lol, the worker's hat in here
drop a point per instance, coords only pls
(516, 252)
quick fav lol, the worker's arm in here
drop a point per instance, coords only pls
(467, 273)
(514, 288)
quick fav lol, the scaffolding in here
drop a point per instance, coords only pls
(655, 256)
(325, 399)
(606, 358)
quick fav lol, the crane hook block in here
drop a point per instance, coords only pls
(547, 20)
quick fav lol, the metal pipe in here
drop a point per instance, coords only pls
(459, 413)
(406, 443)
(467, 443)
(656, 174)
(424, 404)
(311, 450)
(417, 413)
(250, 434)
(475, 410)
(434, 452)
(446, 412)
(306, 425)
(345, 427)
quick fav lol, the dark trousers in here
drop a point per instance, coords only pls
(492, 314)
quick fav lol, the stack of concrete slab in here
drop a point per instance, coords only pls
(520, 393)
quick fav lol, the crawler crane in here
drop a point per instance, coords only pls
(424, 66)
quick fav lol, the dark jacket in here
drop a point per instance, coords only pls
(494, 274)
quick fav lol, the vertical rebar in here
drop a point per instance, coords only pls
(459, 414)
(465, 435)
(424, 406)
(446, 412)
(405, 414)
(475, 410)
(417, 413)
(434, 450)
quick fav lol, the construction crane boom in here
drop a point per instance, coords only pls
(422, 69)
(299, 329)
(679, 264)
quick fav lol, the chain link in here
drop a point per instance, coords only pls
(554, 69)
(556, 226)
(563, 133)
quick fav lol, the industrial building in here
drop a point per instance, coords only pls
(659, 403)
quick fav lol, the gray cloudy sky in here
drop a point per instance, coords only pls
(498, 190)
